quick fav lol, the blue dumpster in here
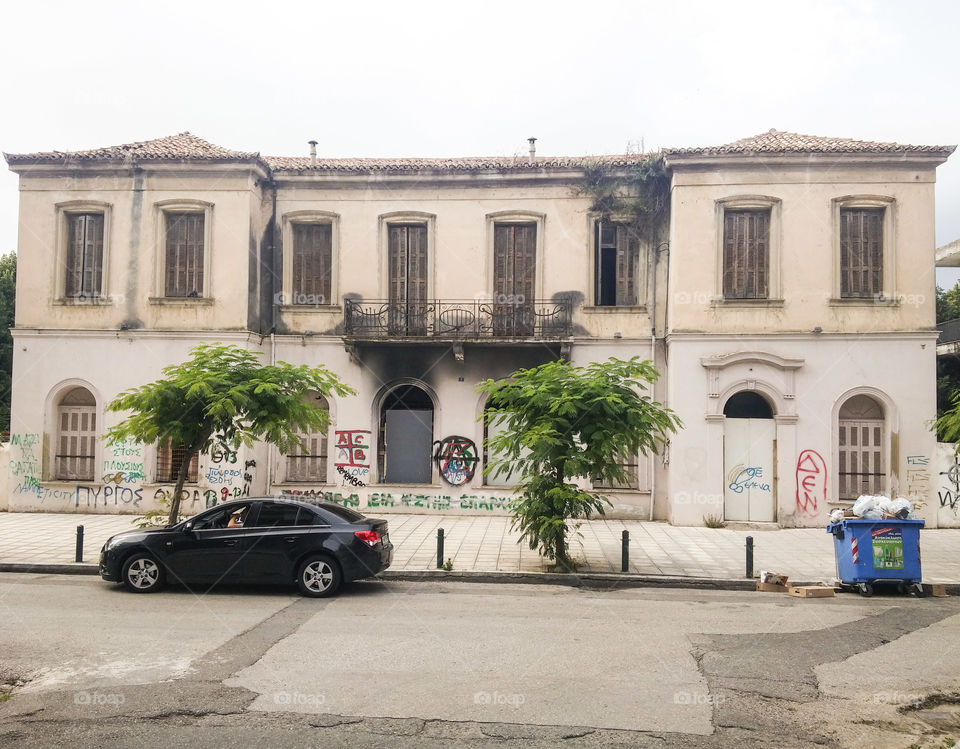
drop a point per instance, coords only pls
(877, 551)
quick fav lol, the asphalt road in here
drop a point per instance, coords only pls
(457, 664)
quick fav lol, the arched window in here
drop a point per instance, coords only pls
(76, 436)
(406, 436)
(308, 463)
(747, 404)
(862, 454)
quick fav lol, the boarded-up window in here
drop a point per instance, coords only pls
(308, 462)
(184, 255)
(169, 460)
(84, 257)
(617, 265)
(76, 436)
(312, 253)
(514, 278)
(408, 279)
(631, 480)
(746, 250)
(861, 252)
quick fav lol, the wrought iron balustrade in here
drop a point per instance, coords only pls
(460, 320)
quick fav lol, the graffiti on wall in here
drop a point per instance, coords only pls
(318, 495)
(353, 455)
(123, 462)
(949, 493)
(25, 460)
(811, 482)
(456, 459)
(443, 502)
(743, 477)
(918, 478)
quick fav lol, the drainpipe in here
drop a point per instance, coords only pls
(662, 247)
(274, 306)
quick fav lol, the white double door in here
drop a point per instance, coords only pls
(749, 488)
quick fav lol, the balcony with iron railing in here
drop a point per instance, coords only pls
(382, 320)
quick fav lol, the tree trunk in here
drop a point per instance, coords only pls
(194, 449)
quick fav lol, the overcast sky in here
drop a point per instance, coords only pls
(474, 79)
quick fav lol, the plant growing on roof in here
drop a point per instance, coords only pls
(560, 422)
(223, 396)
(638, 194)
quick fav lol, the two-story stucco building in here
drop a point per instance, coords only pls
(788, 303)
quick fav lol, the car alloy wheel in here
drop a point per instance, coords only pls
(142, 574)
(318, 577)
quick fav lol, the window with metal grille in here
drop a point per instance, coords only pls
(617, 264)
(861, 252)
(169, 460)
(632, 479)
(183, 272)
(84, 256)
(312, 249)
(76, 443)
(308, 462)
(746, 250)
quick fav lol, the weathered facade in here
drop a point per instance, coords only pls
(789, 305)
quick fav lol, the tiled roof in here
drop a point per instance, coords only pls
(777, 141)
(172, 148)
(458, 164)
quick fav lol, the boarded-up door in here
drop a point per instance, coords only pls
(408, 279)
(514, 277)
(748, 460)
(408, 435)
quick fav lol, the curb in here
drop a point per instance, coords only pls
(587, 580)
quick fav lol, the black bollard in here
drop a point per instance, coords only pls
(750, 557)
(625, 552)
(439, 548)
(79, 543)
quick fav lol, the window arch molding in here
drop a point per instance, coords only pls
(51, 424)
(750, 202)
(65, 211)
(377, 447)
(289, 221)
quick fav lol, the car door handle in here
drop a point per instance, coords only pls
(232, 542)
(291, 539)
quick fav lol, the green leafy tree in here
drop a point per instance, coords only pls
(562, 422)
(948, 366)
(8, 298)
(223, 396)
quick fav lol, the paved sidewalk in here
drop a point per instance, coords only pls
(486, 544)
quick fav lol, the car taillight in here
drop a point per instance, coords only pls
(370, 538)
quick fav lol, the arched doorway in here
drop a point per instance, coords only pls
(862, 453)
(406, 436)
(749, 451)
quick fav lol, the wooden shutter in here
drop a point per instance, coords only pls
(76, 443)
(84, 260)
(746, 249)
(514, 278)
(184, 254)
(312, 262)
(861, 252)
(408, 279)
(628, 258)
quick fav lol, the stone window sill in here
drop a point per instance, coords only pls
(182, 301)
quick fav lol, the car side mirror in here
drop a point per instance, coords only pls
(188, 526)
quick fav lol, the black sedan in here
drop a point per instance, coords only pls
(255, 540)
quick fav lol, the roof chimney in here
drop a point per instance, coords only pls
(533, 149)
(313, 152)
